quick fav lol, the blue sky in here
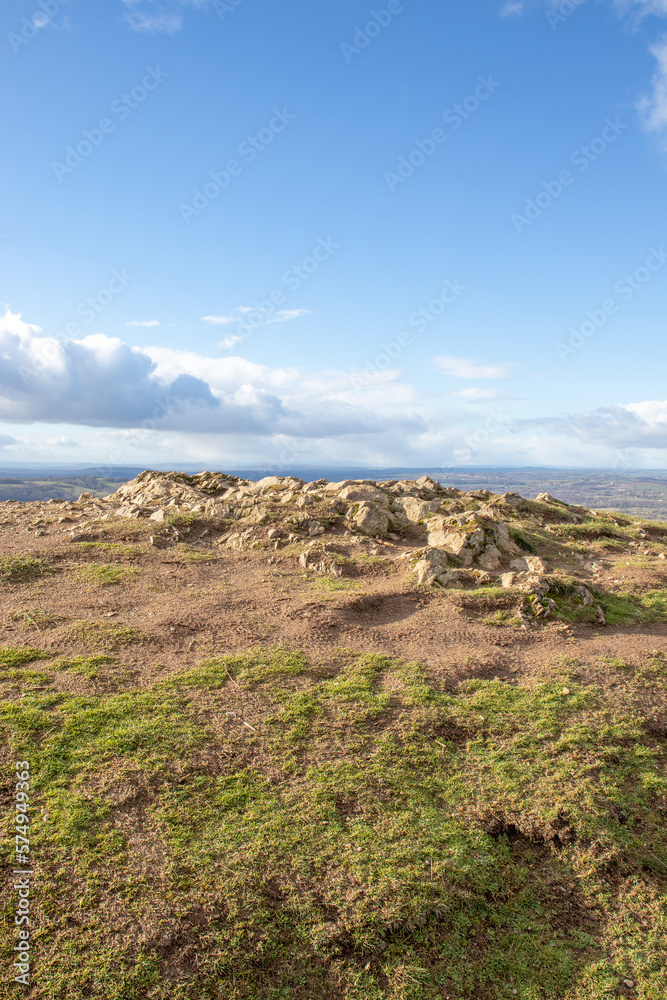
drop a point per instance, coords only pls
(423, 232)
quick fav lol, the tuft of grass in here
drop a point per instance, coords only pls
(15, 656)
(504, 619)
(255, 667)
(194, 555)
(524, 540)
(22, 569)
(87, 666)
(118, 548)
(589, 531)
(628, 609)
(105, 635)
(619, 609)
(106, 574)
(38, 618)
(328, 584)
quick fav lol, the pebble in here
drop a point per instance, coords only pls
(629, 983)
(566, 691)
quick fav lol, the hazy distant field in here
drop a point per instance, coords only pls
(60, 488)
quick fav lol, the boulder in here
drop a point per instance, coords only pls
(460, 579)
(237, 540)
(490, 558)
(531, 583)
(361, 493)
(432, 563)
(370, 519)
(258, 515)
(414, 510)
(426, 483)
(547, 498)
(441, 536)
(529, 564)
(319, 560)
(502, 537)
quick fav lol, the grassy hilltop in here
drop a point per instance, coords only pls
(345, 741)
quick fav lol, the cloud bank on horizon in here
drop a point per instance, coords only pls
(184, 404)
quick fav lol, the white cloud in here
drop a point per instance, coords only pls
(220, 320)
(466, 368)
(150, 23)
(658, 7)
(634, 425)
(100, 397)
(101, 381)
(654, 107)
(284, 315)
(251, 318)
(476, 394)
(143, 322)
(228, 342)
(148, 16)
(265, 317)
(651, 411)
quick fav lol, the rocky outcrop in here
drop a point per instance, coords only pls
(455, 539)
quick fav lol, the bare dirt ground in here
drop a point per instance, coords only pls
(186, 609)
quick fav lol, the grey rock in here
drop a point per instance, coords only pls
(371, 520)
(364, 494)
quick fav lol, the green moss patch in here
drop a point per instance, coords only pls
(367, 835)
(22, 569)
(87, 666)
(106, 574)
(15, 656)
(104, 635)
